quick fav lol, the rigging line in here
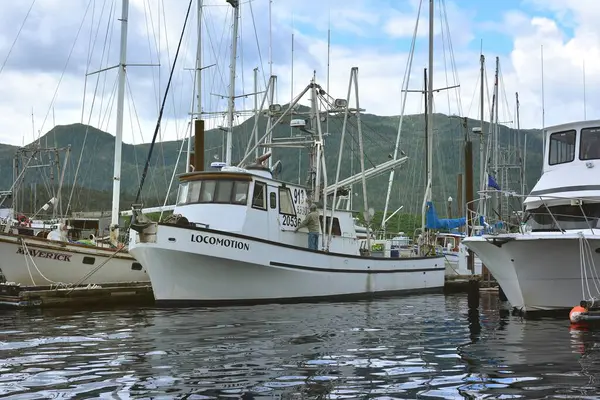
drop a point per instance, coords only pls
(442, 33)
(132, 105)
(475, 90)
(92, 105)
(92, 46)
(162, 107)
(148, 11)
(258, 44)
(109, 37)
(452, 58)
(216, 51)
(16, 37)
(64, 69)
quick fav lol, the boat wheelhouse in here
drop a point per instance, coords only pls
(550, 263)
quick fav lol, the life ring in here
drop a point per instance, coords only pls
(23, 220)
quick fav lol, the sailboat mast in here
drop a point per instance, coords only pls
(119, 129)
(482, 169)
(231, 106)
(198, 79)
(428, 121)
(430, 108)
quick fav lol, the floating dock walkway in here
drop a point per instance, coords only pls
(136, 293)
(16, 296)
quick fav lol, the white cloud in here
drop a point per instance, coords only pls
(565, 28)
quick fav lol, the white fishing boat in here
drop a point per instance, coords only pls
(550, 263)
(33, 260)
(232, 237)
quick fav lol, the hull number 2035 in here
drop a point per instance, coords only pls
(289, 220)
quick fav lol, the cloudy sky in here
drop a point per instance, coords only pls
(48, 46)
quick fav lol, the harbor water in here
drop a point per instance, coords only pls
(425, 346)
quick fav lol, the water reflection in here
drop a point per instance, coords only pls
(425, 346)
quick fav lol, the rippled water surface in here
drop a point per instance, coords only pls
(421, 346)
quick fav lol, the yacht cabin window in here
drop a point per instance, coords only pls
(222, 191)
(589, 144)
(259, 196)
(273, 200)
(564, 217)
(286, 206)
(562, 147)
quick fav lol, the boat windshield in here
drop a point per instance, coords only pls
(220, 191)
(589, 149)
(564, 217)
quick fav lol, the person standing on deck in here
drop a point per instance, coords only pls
(312, 223)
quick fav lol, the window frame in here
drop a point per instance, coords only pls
(336, 224)
(581, 132)
(216, 183)
(182, 186)
(574, 132)
(203, 182)
(218, 186)
(287, 190)
(264, 195)
(273, 200)
(233, 192)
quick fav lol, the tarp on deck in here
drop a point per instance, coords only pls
(433, 222)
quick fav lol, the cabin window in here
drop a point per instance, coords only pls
(589, 144)
(182, 193)
(259, 196)
(286, 206)
(554, 218)
(223, 192)
(240, 192)
(335, 229)
(207, 194)
(213, 191)
(562, 147)
(194, 189)
(273, 200)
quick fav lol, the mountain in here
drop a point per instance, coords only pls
(94, 179)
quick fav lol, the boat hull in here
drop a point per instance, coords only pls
(457, 266)
(536, 272)
(194, 265)
(51, 262)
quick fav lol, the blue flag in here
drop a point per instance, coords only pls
(492, 183)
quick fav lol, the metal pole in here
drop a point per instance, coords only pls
(230, 110)
(114, 217)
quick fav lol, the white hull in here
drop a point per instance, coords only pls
(66, 263)
(536, 271)
(200, 265)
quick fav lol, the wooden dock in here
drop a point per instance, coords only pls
(88, 296)
(139, 294)
(464, 283)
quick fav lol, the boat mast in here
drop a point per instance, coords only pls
(198, 83)
(496, 197)
(482, 163)
(231, 106)
(429, 130)
(119, 129)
